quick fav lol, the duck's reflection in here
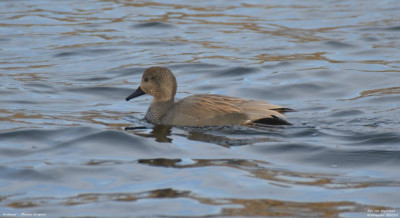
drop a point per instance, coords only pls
(160, 132)
(225, 136)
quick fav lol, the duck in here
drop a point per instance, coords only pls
(201, 109)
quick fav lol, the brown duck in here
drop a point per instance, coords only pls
(203, 109)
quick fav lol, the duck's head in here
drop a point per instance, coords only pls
(158, 82)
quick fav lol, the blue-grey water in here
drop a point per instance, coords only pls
(66, 67)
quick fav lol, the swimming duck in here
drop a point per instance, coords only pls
(202, 109)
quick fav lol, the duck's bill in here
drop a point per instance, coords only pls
(137, 93)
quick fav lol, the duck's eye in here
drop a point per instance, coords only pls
(146, 79)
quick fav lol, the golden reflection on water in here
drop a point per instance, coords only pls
(275, 177)
(287, 208)
(229, 206)
(110, 119)
(310, 56)
(107, 119)
(376, 93)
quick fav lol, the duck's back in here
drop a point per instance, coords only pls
(211, 110)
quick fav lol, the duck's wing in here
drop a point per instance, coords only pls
(209, 106)
(211, 103)
(253, 108)
(204, 110)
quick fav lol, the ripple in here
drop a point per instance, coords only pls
(394, 28)
(236, 72)
(158, 43)
(86, 52)
(66, 54)
(337, 44)
(154, 24)
(354, 159)
(349, 112)
(193, 67)
(374, 139)
(36, 142)
(25, 174)
(292, 91)
(107, 92)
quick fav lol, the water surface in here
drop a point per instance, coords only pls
(67, 66)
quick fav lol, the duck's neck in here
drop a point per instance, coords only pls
(157, 111)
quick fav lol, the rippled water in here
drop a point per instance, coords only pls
(66, 67)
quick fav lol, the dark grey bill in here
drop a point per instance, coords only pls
(137, 93)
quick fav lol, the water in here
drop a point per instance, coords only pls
(66, 67)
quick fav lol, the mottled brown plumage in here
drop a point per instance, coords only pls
(203, 109)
